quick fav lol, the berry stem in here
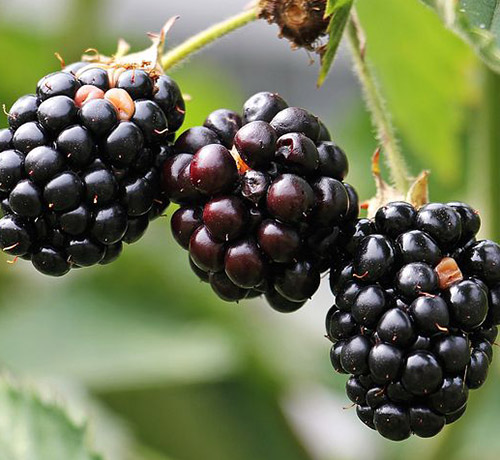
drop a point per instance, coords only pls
(484, 155)
(377, 105)
(204, 38)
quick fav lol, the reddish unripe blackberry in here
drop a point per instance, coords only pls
(416, 310)
(269, 184)
(81, 161)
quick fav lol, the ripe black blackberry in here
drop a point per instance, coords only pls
(262, 198)
(81, 161)
(415, 316)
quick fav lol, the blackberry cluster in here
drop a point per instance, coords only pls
(80, 164)
(262, 197)
(416, 314)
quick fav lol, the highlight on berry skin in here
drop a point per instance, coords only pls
(262, 199)
(81, 162)
(415, 317)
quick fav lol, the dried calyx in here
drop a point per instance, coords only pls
(302, 22)
(417, 194)
(148, 59)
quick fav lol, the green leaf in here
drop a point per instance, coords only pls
(146, 453)
(333, 5)
(425, 73)
(340, 11)
(477, 22)
(31, 429)
(91, 342)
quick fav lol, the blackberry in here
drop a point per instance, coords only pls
(81, 160)
(415, 315)
(262, 199)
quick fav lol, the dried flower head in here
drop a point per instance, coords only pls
(300, 21)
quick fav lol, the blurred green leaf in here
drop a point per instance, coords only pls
(164, 353)
(217, 90)
(334, 5)
(477, 22)
(103, 344)
(233, 419)
(145, 453)
(484, 158)
(32, 429)
(425, 73)
(20, 47)
(340, 11)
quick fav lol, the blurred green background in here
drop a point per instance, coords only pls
(163, 369)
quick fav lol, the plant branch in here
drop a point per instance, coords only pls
(204, 38)
(377, 106)
(483, 154)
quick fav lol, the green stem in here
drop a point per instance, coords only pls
(204, 38)
(484, 155)
(492, 88)
(377, 106)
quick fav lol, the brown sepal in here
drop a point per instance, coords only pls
(302, 22)
(417, 195)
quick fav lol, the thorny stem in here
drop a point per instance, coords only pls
(377, 106)
(204, 38)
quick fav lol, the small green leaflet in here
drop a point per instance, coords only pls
(333, 5)
(477, 22)
(31, 429)
(339, 10)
